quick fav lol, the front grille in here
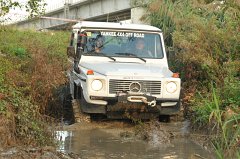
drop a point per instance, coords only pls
(152, 87)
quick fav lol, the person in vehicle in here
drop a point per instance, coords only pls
(99, 43)
(140, 49)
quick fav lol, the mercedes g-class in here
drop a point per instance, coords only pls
(121, 69)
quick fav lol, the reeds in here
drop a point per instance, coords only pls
(204, 38)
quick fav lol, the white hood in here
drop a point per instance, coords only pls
(128, 69)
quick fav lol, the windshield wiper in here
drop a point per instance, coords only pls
(102, 54)
(131, 54)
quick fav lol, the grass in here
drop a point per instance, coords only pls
(226, 122)
(203, 39)
(32, 66)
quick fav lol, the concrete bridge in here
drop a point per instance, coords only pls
(93, 10)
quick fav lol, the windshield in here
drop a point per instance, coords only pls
(122, 44)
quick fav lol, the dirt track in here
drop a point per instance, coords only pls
(127, 139)
(118, 139)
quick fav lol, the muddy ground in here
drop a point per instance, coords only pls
(103, 139)
(123, 139)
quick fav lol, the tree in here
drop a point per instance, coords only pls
(34, 7)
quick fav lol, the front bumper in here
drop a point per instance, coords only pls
(138, 104)
(127, 98)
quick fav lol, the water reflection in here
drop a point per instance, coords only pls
(64, 138)
(96, 143)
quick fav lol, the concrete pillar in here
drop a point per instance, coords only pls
(66, 10)
(136, 15)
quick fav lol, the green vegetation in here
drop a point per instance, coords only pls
(203, 43)
(34, 7)
(32, 66)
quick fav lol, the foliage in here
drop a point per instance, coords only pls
(224, 120)
(34, 7)
(32, 66)
(204, 42)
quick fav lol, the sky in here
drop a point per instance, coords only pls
(19, 14)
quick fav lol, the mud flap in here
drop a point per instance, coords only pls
(91, 108)
(171, 110)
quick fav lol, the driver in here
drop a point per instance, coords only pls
(140, 48)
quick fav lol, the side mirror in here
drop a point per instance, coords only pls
(71, 51)
(83, 40)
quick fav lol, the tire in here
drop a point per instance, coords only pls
(74, 91)
(77, 92)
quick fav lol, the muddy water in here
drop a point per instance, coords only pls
(91, 140)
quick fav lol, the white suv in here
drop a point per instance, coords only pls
(121, 69)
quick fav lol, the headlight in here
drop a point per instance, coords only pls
(171, 87)
(97, 85)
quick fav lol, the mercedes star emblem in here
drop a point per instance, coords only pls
(135, 87)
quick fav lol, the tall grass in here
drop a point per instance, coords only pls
(32, 66)
(221, 122)
(226, 143)
(204, 39)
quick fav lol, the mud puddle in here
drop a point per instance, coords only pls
(123, 140)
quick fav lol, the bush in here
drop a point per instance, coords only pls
(32, 66)
(204, 40)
